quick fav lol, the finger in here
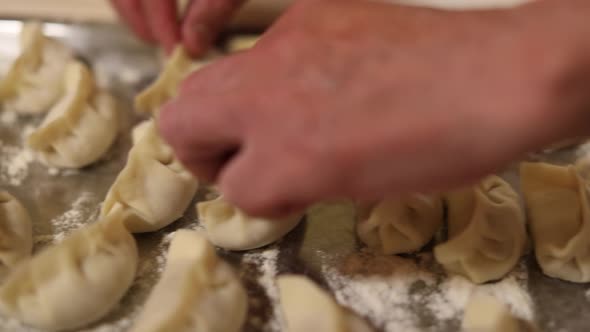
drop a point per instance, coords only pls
(201, 131)
(162, 19)
(268, 184)
(204, 19)
(131, 12)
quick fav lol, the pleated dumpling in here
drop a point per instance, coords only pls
(32, 84)
(556, 199)
(486, 231)
(230, 228)
(75, 282)
(306, 307)
(198, 292)
(81, 127)
(16, 237)
(165, 87)
(401, 225)
(153, 186)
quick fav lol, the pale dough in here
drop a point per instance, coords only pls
(486, 233)
(32, 84)
(198, 292)
(306, 307)
(401, 225)
(73, 283)
(153, 186)
(16, 237)
(166, 86)
(81, 127)
(558, 209)
(230, 228)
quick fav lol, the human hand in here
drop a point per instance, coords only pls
(157, 21)
(362, 99)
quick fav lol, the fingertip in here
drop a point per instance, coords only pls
(196, 38)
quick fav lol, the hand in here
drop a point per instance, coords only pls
(362, 99)
(157, 21)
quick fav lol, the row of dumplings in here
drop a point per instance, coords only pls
(487, 227)
(80, 280)
(81, 120)
(51, 290)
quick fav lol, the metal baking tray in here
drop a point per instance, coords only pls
(395, 293)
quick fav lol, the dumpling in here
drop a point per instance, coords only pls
(306, 307)
(165, 87)
(401, 225)
(485, 313)
(486, 231)
(242, 43)
(558, 209)
(32, 84)
(73, 283)
(16, 235)
(81, 127)
(153, 186)
(229, 228)
(198, 292)
(140, 129)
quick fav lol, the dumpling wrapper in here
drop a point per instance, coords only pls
(166, 86)
(153, 186)
(241, 43)
(75, 282)
(198, 292)
(33, 82)
(557, 204)
(306, 307)
(401, 225)
(486, 233)
(81, 127)
(485, 313)
(16, 233)
(229, 228)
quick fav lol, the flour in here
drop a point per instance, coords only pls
(14, 164)
(401, 294)
(83, 210)
(266, 261)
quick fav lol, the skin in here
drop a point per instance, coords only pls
(363, 99)
(157, 21)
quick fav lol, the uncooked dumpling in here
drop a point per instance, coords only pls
(73, 283)
(139, 130)
(153, 186)
(166, 86)
(16, 238)
(198, 292)
(557, 205)
(306, 308)
(242, 43)
(486, 233)
(229, 228)
(485, 313)
(81, 127)
(401, 225)
(33, 83)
